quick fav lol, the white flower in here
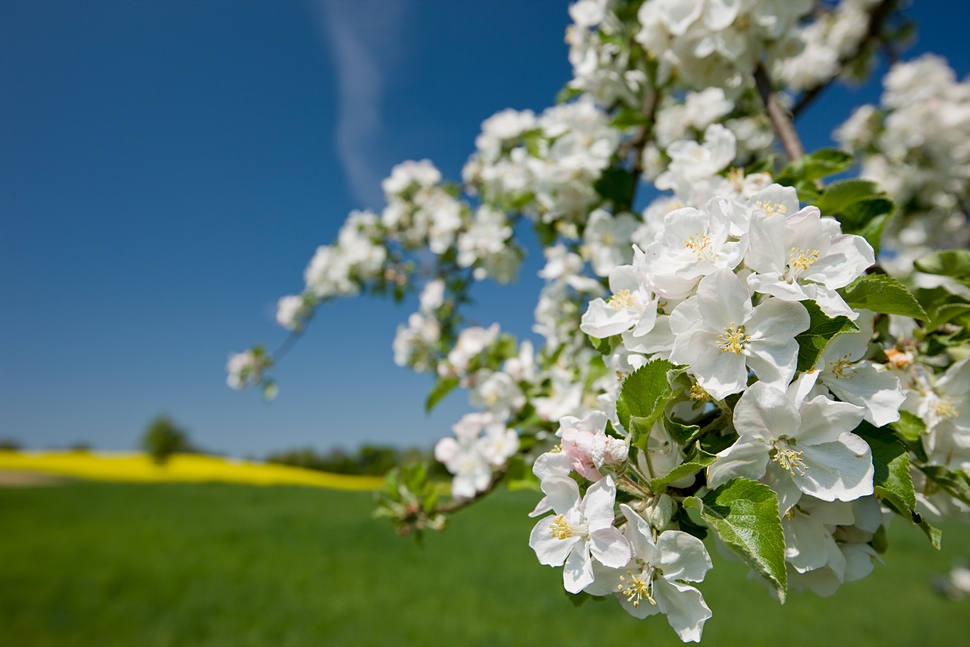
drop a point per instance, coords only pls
(471, 455)
(860, 382)
(581, 529)
(797, 442)
(607, 240)
(289, 312)
(497, 392)
(804, 256)
(633, 306)
(719, 335)
(653, 581)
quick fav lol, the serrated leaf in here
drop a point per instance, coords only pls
(844, 192)
(890, 461)
(441, 388)
(695, 461)
(881, 293)
(820, 331)
(955, 263)
(934, 534)
(955, 482)
(744, 514)
(642, 399)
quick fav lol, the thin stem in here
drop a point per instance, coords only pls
(779, 119)
(457, 504)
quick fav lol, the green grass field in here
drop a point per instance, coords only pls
(165, 564)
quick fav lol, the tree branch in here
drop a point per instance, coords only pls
(779, 119)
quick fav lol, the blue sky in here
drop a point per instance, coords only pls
(168, 168)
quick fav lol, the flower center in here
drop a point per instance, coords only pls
(621, 300)
(637, 587)
(562, 529)
(839, 366)
(733, 339)
(698, 393)
(788, 458)
(801, 259)
(770, 208)
(946, 410)
(700, 244)
(736, 177)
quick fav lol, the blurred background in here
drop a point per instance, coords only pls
(167, 169)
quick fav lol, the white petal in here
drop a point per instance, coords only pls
(549, 550)
(747, 457)
(577, 574)
(824, 420)
(805, 542)
(683, 556)
(868, 386)
(841, 470)
(562, 492)
(765, 412)
(610, 547)
(639, 534)
(598, 504)
(552, 464)
(684, 607)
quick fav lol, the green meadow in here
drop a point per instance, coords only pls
(180, 565)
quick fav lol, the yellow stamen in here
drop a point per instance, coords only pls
(839, 366)
(788, 458)
(698, 393)
(736, 177)
(770, 208)
(636, 589)
(621, 300)
(733, 339)
(560, 528)
(700, 244)
(802, 259)
(946, 410)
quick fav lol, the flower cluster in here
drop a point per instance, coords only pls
(724, 357)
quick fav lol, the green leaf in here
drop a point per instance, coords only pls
(955, 263)
(909, 426)
(821, 163)
(605, 345)
(616, 185)
(842, 193)
(682, 434)
(934, 534)
(822, 328)
(867, 218)
(955, 482)
(695, 461)
(642, 399)
(686, 524)
(520, 477)
(946, 313)
(881, 293)
(890, 461)
(744, 514)
(628, 117)
(441, 388)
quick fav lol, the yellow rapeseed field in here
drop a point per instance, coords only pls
(186, 468)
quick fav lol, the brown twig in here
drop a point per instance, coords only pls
(779, 118)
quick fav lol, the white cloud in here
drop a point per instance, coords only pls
(364, 37)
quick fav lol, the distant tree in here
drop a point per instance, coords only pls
(162, 438)
(9, 444)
